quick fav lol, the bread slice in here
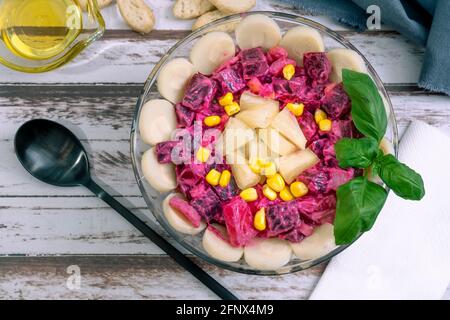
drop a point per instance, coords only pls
(190, 9)
(137, 15)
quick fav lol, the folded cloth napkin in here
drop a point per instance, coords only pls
(425, 22)
(406, 255)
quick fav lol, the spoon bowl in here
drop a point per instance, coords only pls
(52, 153)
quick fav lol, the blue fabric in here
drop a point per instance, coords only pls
(424, 22)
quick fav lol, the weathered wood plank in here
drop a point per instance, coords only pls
(165, 19)
(126, 57)
(104, 112)
(111, 164)
(138, 277)
(71, 225)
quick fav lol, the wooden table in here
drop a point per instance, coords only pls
(44, 229)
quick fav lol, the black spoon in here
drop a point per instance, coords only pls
(53, 154)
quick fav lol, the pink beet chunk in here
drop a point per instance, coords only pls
(183, 207)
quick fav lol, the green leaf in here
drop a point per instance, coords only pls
(357, 153)
(404, 181)
(359, 202)
(368, 111)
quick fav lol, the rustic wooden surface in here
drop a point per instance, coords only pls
(43, 229)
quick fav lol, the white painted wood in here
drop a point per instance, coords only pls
(141, 277)
(126, 277)
(130, 59)
(55, 226)
(165, 19)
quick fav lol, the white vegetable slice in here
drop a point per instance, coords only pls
(211, 51)
(267, 254)
(300, 40)
(257, 30)
(250, 101)
(235, 135)
(157, 121)
(344, 59)
(219, 248)
(316, 245)
(293, 164)
(286, 124)
(160, 176)
(173, 77)
(243, 175)
(177, 220)
(276, 143)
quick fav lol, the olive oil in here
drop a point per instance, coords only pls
(39, 29)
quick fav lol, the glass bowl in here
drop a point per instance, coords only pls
(154, 198)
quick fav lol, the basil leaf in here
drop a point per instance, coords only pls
(368, 111)
(404, 181)
(359, 202)
(357, 153)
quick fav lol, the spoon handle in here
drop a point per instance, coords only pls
(182, 260)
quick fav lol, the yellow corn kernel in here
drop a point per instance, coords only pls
(259, 221)
(319, 115)
(276, 182)
(269, 193)
(296, 108)
(286, 194)
(213, 177)
(254, 165)
(298, 189)
(288, 71)
(226, 99)
(269, 169)
(325, 125)
(262, 162)
(232, 108)
(202, 154)
(225, 178)
(212, 121)
(249, 194)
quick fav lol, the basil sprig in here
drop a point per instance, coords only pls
(403, 180)
(359, 201)
(357, 153)
(368, 111)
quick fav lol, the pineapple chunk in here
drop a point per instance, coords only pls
(236, 135)
(276, 142)
(236, 156)
(258, 149)
(292, 165)
(243, 175)
(256, 111)
(286, 124)
(259, 117)
(250, 101)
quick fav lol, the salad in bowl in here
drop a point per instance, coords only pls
(264, 151)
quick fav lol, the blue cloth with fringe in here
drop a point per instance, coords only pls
(424, 22)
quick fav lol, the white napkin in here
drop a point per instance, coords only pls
(406, 255)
